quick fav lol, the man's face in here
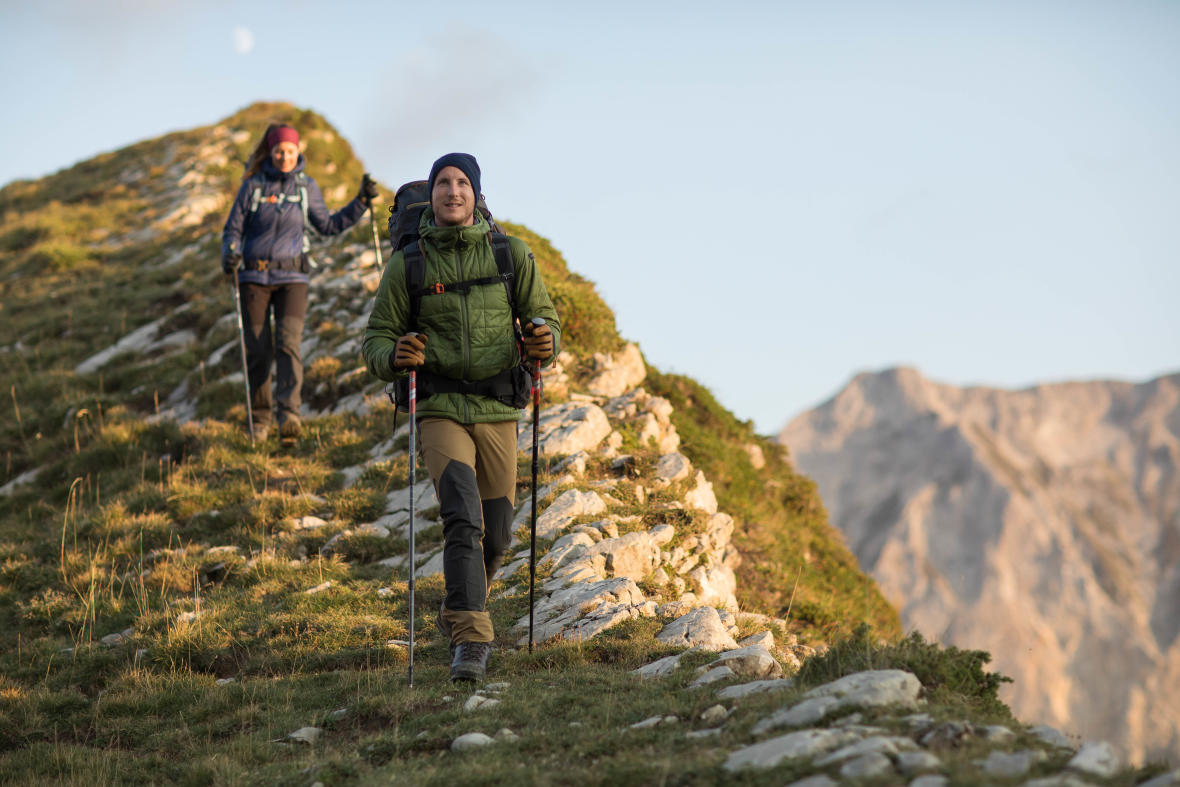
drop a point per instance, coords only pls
(285, 156)
(452, 198)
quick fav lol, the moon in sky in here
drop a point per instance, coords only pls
(243, 40)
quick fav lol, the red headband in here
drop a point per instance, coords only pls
(282, 134)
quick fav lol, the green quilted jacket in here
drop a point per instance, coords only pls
(469, 335)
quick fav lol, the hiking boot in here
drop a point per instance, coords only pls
(471, 661)
(290, 427)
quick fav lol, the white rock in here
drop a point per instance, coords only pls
(712, 732)
(867, 766)
(568, 428)
(307, 735)
(424, 498)
(808, 712)
(700, 628)
(621, 371)
(763, 639)
(225, 681)
(872, 688)
(796, 745)
(433, 566)
(712, 676)
(932, 780)
(672, 467)
(820, 780)
(660, 667)
(1170, 779)
(714, 714)
(506, 735)
(701, 496)
(1098, 758)
(320, 588)
(877, 744)
(570, 504)
(1010, 765)
(478, 701)
(1050, 735)
(470, 741)
(911, 762)
(646, 723)
(753, 687)
(308, 522)
(753, 661)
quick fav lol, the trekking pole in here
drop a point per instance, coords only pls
(376, 236)
(242, 346)
(413, 409)
(533, 523)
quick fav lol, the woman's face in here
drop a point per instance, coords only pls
(285, 156)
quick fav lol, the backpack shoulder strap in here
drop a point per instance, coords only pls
(301, 179)
(502, 251)
(415, 276)
(256, 182)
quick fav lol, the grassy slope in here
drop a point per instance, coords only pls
(114, 534)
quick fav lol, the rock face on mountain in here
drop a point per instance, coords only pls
(1041, 525)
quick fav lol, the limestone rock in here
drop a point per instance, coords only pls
(877, 744)
(753, 661)
(701, 496)
(700, 628)
(567, 428)
(713, 675)
(672, 467)
(911, 762)
(796, 745)
(618, 372)
(470, 741)
(660, 667)
(1097, 758)
(867, 766)
(1010, 765)
(753, 687)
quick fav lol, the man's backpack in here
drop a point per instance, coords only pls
(511, 386)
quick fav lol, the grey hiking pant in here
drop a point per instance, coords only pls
(280, 347)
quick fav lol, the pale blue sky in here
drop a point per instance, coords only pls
(772, 196)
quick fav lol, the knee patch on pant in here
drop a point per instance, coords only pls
(497, 532)
(463, 563)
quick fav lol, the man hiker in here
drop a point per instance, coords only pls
(459, 332)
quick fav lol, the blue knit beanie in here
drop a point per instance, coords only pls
(465, 162)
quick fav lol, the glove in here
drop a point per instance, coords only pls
(368, 190)
(231, 262)
(538, 341)
(410, 351)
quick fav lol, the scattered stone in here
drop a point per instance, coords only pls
(806, 713)
(188, 617)
(320, 588)
(120, 637)
(478, 701)
(995, 733)
(660, 667)
(701, 496)
(796, 745)
(1097, 758)
(307, 523)
(712, 676)
(753, 661)
(1010, 765)
(753, 687)
(931, 780)
(672, 467)
(1050, 735)
(714, 714)
(653, 721)
(619, 372)
(912, 762)
(506, 735)
(763, 639)
(384, 592)
(1060, 780)
(947, 735)
(305, 735)
(225, 681)
(338, 714)
(712, 732)
(868, 766)
(700, 628)
(1164, 780)
(880, 744)
(470, 741)
(819, 780)
(495, 688)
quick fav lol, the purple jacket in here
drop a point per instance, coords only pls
(273, 230)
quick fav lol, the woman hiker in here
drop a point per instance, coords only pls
(265, 241)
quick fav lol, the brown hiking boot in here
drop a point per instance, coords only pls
(290, 427)
(470, 662)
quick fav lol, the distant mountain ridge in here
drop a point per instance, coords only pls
(1042, 525)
